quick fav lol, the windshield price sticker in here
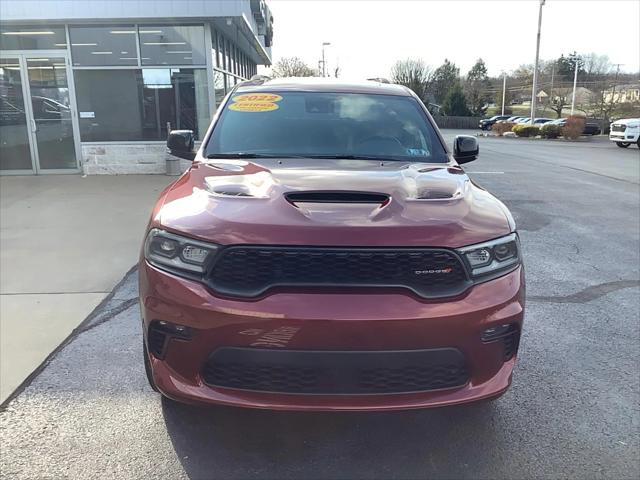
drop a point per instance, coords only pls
(257, 97)
(253, 106)
(255, 102)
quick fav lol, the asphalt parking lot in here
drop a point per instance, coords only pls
(572, 412)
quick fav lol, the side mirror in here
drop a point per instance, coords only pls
(180, 143)
(465, 148)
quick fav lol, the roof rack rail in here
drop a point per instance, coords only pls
(379, 80)
(259, 77)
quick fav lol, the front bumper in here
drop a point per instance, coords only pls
(330, 322)
(625, 137)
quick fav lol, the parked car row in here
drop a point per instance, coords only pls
(487, 123)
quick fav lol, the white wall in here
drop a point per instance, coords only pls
(52, 10)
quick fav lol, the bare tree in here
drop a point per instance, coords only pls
(413, 74)
(561, 99)
(596, 66)
(603, 81)
(292, 67)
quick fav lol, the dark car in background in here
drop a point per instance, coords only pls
(487, 123)
(590, 128)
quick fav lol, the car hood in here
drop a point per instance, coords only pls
(331, 202)
(627, 121)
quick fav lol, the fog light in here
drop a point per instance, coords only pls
(161, 331)
(494, 333)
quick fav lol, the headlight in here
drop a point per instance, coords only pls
(165, 249)
(493, 256)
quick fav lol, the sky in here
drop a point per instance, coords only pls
(368, 36)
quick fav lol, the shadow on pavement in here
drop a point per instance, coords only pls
(230, 442)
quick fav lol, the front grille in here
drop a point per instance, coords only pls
(511, 342)
(157, 340)
(334, 373)
(618, 128)
(249, 271)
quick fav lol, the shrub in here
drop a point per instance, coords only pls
(502, 127)
(573, 128)
(549, 130)
(526, 130)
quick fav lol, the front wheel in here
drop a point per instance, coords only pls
(623, 144)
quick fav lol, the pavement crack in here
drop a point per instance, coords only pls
(590, 293)
(109, 314)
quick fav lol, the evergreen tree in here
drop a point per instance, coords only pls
(444, 78)
(455, 103)
(566, 66)
(476, 86)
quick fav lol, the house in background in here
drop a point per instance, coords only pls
(628, 93)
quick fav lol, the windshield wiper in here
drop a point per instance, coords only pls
(310, 156)
(243, 155)
(354, 157)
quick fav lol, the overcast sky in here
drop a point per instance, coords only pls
(368, 36)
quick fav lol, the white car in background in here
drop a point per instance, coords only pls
(625, 132)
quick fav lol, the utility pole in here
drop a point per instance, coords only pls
(575, 82)
(535, 68)
(504, 89)
(324, 64)
(605, 118)
(615, 82)
(553, 71)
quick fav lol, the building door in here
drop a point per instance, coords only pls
(37, 123)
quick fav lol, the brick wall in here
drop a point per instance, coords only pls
(121, 159)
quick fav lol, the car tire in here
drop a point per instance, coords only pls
(623, 144)
(147, 367)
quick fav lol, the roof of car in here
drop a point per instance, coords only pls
(318, 84)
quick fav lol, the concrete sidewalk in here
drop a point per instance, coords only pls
(65, 243)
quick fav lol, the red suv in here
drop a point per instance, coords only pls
(325, 251)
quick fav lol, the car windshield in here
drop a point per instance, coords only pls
(320, 124)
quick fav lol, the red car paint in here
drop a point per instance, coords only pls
(338, 319)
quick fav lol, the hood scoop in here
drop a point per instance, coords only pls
(337, 196)
(253, 185)
(338, 207)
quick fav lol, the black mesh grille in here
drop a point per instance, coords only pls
(249, 271)
(157, 340)
(511, 342)
(618, 128)
(327, 372)
(413, 379)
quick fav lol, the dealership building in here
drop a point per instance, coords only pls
(94, 87)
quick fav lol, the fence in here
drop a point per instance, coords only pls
(456, 122)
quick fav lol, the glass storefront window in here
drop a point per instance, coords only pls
(32, 38)
(218, 86)
(137, 105)
(103, 45)
(215, 51)
(223, 52)
(15, 153)
(172, 45)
